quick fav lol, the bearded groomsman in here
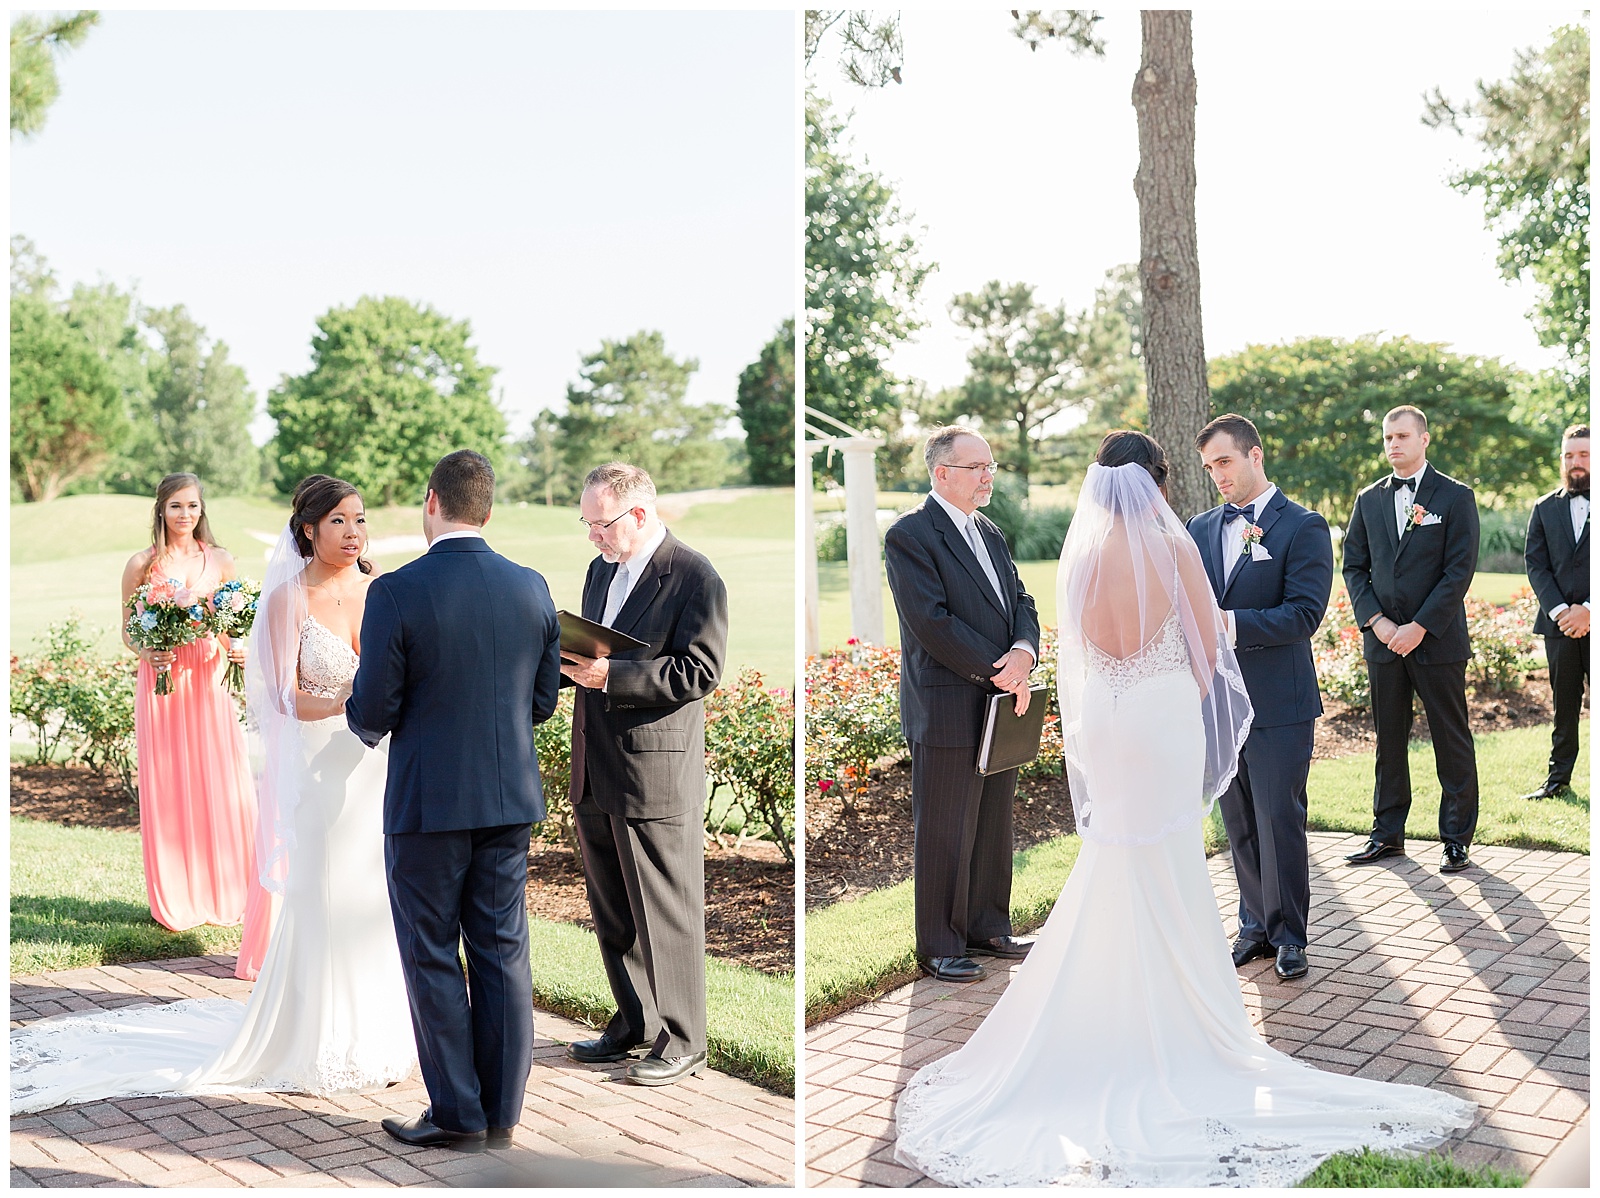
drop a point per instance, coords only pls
(1409, 556)
(1271, 565)
(1557, 554)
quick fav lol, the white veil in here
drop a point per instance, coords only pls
(271, 676)
(1128, 565)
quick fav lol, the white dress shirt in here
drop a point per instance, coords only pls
(1233, 535)
(1404, 498)
(450, 536)
(967, 526)
(635, 566)
(1578, 506)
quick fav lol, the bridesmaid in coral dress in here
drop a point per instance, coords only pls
(197, 807)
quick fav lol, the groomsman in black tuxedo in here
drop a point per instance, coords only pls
(1271, 564)
(638, 785)
(968, 629)
(1409, 556)
(1558, 567)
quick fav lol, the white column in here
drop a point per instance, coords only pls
(861, 538)
(813, 594)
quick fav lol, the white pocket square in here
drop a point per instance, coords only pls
(1258, 553)
(1430, 518)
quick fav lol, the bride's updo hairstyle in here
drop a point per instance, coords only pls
(314, 498)
(1122, 447)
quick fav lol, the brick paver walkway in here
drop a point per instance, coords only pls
(580, 1124)
(1476, 983)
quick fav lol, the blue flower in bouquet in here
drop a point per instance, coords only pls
(196, 612)
(148, 620)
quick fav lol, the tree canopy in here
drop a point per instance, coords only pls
(1534, 128)
(35, 42)
(1319, 404)
(766, 410)
(393, 387)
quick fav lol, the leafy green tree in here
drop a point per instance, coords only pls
(1022, 365)
(1319, 403)
(863, 277)
(766, 410)
(35, 42)
(871, 53)
(30, 273)
(1535, 188)
(194, 415)
(542, 474)
(67, 414)
(628, 404)
(393, 387)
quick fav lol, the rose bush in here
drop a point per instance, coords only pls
(750, 750)
(76, 700)
(852, 717)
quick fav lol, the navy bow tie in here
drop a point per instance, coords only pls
(1409, 484)
(1230, 510)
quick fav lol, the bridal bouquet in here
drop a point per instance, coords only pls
(233, 613)
(163, 615)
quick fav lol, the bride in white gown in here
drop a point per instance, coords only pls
(328, 1012)
(1122, 1054)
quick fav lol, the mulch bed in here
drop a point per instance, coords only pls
(749, 893)
(851, 852)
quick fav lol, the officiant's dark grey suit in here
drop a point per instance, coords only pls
(1278, 602)
(460, 658)
(953, 627)
(639, 794)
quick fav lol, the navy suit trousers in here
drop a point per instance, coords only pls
(1264, 811)
(466, 890)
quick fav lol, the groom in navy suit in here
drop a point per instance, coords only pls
(1271, 564)
(460, 658)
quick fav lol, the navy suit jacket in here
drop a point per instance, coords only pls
(460, 658)
(1277, 605)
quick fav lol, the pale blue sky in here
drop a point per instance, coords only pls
(555, 178)
(1322, 202)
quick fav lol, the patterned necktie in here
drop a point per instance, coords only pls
(975, 539)
(615, 596)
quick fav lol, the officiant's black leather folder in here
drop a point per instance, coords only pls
(588, 639)
(1010, 740)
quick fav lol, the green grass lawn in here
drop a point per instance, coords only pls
(1510, 763)
(69, 554)
(833, 592)
(1367, 1169)
(78, 899)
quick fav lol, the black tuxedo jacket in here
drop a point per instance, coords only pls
(460, 658)
(1422, 576)
(640, 744)
(1558, 563)
(1277, 604)
(953, 627)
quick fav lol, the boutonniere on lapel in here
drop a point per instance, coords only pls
(1417, 515)
(1252, 545)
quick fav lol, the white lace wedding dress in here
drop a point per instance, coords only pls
(328, 1013)
(1121, 1054)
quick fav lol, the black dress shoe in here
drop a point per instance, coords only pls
(603, 1049)
(1548, 791)
(1454, 859)
(1245, 951)
(1000, 946)
(1291, 962)
(500, 1137)
(1376, 850)
(421, 1132)
(952, 969)
(663, 1071)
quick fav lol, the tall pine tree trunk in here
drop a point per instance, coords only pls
(1169, 257)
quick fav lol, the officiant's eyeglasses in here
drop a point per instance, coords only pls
(989, 468)
(603, 523)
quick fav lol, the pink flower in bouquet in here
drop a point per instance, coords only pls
(183, 597)
(164, 591)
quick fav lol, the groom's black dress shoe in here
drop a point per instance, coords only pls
(1000, 946)
(1548, 791)
(500, 1137)
(663, 1071)
(602, 1050)
(952, 969)
(1454, 859)
(1376, 850)
(1245, 951)
(422, 1133)
(1291, 962)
